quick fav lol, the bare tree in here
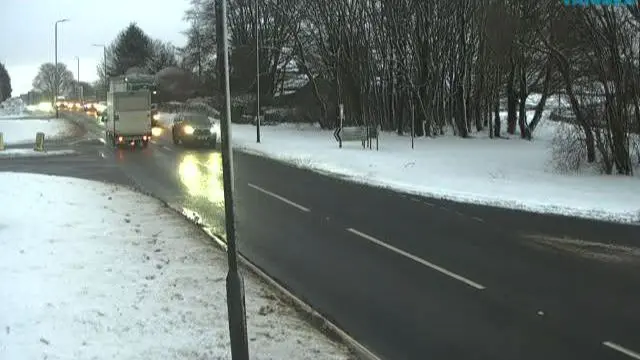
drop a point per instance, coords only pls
(53, 80)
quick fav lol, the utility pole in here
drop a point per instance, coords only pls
(257, 72)
(235, 285)
(56, 75)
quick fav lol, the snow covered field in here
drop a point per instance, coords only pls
(23, 131)
(96, 271)
(16, 153)
(510, 173)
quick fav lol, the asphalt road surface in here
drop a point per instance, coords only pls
(415, 278)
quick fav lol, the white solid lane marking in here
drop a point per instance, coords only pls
(417, 259)
(102, 155)
(281, 198)
(477, 219)
(167, 148)
(616, 347)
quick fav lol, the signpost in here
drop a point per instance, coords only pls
(39, 142)
(336, 133)
(363, 134)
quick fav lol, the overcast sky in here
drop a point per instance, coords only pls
(27, 32)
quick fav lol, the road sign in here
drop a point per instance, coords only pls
(39, 142)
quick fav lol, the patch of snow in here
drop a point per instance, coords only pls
(21, 131)
(511, 173)
(96, 271)
(15, 153)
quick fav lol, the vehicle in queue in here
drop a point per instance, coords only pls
(193, 128)
(128, 114)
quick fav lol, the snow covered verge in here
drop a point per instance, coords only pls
(109, 273)
(20, 153)
(23, 131)
(511, 173)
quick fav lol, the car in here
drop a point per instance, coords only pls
(194, 128)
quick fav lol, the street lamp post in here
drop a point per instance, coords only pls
(56, 72)
(257, 72)
(235, 286)
(79, 89)
(106, 80)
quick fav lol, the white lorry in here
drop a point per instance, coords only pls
(128, 114)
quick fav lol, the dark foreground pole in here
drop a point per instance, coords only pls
(235, 284)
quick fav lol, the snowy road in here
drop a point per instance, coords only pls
(412, 277)
(417, 278)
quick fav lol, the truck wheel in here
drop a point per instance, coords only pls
(175, 139)
(145, 144)
(213, 143)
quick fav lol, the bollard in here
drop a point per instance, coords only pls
(39, 142)
(1, 142)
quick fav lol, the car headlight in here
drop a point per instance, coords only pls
(156, 117)
(215, 129)
(188, 130)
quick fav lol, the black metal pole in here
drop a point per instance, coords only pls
(235, 284)
(257, 74)
(55, 77)
(413, 124)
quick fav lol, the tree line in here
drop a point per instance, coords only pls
(131, 52)
(440, 64)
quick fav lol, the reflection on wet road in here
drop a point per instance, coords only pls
(186, 178)
(201, 178)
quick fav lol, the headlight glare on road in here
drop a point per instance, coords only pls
(188, 130)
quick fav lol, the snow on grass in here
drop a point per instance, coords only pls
(511, 173)
(15, 153)
(96, 271)
(21, 131)
(11, 116)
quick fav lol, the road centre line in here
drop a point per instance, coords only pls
(281, 198)
(417, 259)
(621, 349)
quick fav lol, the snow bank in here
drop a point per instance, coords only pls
(23, 131)
(96, 271)
(510, 173)
(14, 153)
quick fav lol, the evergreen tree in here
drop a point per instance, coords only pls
(5, 83)
(132, 48)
